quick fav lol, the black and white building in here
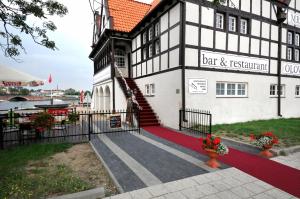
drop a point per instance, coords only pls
(240, 60)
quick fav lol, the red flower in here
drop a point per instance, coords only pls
(217, 141)
(252, 137)
(269, 134)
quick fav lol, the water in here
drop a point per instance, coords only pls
(5, 105)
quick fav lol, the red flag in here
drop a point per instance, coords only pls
(81, 96)
(50, 79)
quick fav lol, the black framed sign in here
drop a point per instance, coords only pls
(115, 121)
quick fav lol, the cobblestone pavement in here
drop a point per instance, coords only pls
(292, 160)
(229, 183)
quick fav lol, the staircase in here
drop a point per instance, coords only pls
(147, 115)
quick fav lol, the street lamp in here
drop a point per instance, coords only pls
(281, 9)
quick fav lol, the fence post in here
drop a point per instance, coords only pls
(1, 134)
(90, 125)
(180, 120)
(210, 115)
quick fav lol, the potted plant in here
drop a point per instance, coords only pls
(265, 141)
(41, 122)
(73, 117)
(214, 147)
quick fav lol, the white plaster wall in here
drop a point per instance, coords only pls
(102, 75)
(221, 40)
(283, 51)
(174, 36)
(274, 49)
(207, 16)
(149, 66)
(256, 7)
(164, 22)
(265, 30)
(120, 99)
(174, 58)
(192, 12)
(164, 61)
(191, 35)
(258, 104)
(233, 41)
(133, 44)
(245, 5)
(138, 41)
(255, 28)
(144, 68)
(96, 100)
(290, 103)
(175, 15)
(138, 56)
(273, 66)
(274, 32)
(284, 35)
(166, 103)
(156, 64)
(191, 57)
(255, 45)
(164, 42)
(133, 58)
(207, 38)
(265, 48)
(266, 9)
(244, 44)
(133, 71)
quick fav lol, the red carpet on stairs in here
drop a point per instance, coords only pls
(279, 175)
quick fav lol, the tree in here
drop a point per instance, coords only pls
(20, 16)
(71, 91)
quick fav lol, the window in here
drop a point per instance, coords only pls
(150, 50)
(144, 53)
(231, 89)
(244, 26)
(149, 89)
(289, 54)
(274, 90)
(290, 38)
(150, 33)
(220, 20)
(296, 54)
(297, 92)
(157, 31)
(119, 58)
(157, 47)
(144, 37)
(297, 39)
(232, 23)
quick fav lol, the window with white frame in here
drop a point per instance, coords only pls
(289, 53)
(150, 50)
(274, 90)
(119, 58)
(150, 33)
(157, 31)
(231, 89)
(244, 26)
(149, 89)
(290, 38)
(297, 91)
(297, 39)
(144, 53)
(144, 37)
(296, 54)
(232, 24)
(220, 20)
(157, 47)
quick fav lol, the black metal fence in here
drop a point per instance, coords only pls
(20, 128)
(195, 121)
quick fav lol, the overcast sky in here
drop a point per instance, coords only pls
(69, 66)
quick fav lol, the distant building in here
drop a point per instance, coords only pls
(235, 60)
(55, 93)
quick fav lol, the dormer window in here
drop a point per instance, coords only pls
(120, 58)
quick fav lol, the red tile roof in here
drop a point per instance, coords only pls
(127, 14)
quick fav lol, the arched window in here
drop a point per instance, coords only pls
(120, 58)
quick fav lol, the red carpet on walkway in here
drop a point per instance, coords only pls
(279, 175)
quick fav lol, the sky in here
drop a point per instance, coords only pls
(69, 66)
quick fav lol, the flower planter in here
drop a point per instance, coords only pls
(213, 155)
(266, 151)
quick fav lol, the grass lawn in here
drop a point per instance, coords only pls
(18, 180)
(287, 130)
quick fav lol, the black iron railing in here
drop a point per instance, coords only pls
(195, 121)
(19, 128)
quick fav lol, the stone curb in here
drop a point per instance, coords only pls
(120, 189)
(89, 194)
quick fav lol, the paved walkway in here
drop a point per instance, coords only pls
(292, 160)
(229, 183)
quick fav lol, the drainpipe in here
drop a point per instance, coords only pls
(182, 54)
(279, 69)
(113, 72)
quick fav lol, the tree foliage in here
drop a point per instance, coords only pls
(20, 16)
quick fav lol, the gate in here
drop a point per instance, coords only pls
(195, 121)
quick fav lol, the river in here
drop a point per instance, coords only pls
(5, 105)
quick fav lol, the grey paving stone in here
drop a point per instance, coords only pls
(277, 193)
(242, 192)
(254, 187)
(262, 196)
(214, 196)
(220, 185)
(192, 193)
(140, 194)
(124, 175)
(165, 166)
(201, 179)
(227, 195)
(207, 189)
(158, 190)
(263, 184)
(232, 181)
(121, 196)
(175, 195)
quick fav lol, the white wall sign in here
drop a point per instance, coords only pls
(293, 18)
(290, 69)
(198, 86)
(233, 62)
